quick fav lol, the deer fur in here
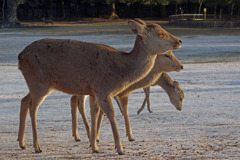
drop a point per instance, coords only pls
(172, 88)
(165, 62)
(81, 68)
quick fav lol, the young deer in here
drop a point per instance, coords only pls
(165, 62)
(172, 88)
(81, 68)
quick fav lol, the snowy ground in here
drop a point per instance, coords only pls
(208, 127)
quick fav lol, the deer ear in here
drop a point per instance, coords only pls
(140, 21)
(137, 28)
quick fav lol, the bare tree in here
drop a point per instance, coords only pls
(3, 14)
(11, 19)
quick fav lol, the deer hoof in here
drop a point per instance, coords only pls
(38, 151)
(23, 147)
(121, 153)
(77, 140)
(96, 151)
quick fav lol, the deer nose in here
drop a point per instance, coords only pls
(180, 41)
(181, 66)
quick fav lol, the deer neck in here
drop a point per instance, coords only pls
(141, 53)
(143, 58)
(136, 65)
(166, 83)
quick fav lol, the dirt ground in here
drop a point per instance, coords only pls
(208, 127)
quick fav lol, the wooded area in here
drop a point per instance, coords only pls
(12, 10)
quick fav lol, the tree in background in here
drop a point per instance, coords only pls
(3, 10)
(157, 2)
(214, 4)
(113, 13)
(11, 19)
(200, 2)
(231, 5)
(72, 9)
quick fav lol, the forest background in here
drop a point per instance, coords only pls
(14, 11)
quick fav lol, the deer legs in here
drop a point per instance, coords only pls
(146, 99)
(79, 102)
(25, 104)
(32, 103)
(124, 106)
(74, 105)
(106, 106)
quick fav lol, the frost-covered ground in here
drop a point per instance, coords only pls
(208, 127)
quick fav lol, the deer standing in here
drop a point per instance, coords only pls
(81, 68)
(165, 62)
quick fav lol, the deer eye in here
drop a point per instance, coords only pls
(162, 35)
(167, 56)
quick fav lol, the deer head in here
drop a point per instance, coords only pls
(154, 37)
(168, 62)
(176, 97)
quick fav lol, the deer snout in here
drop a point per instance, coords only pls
(179, 68)
(180, 41)
(178, 44)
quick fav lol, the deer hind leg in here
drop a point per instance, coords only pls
(94, 110)
(99, 123)
(106, 106)
(25, 104)
(124, 106)
(74, 105)
(38, 95)
(81, 108)
(146, 90)
(118, 103)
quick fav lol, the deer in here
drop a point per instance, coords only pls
(83, 68)
(172, 88)
(165, 62)
(47, 20)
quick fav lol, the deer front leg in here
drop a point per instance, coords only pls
(146, 99)
(124, 106)
(106, 106)
(94, 109)
(143, 105)
(74, 104)
(147, 94)
(25, 104)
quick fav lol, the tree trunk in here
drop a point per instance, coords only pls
(215, 12)
(163, 11)
(12, 10)
(3, 11)
(11, 18)
(200, 6)
(113, 11)
(231, 13)
(238, 13)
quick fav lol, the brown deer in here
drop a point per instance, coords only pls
(172, 88)
(165, 62)
(81, 68)
(47, 20)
